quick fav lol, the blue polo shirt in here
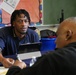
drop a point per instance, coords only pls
(10, 43)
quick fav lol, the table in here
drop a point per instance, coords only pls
(26, 57)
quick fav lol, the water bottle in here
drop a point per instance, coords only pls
(33, 60)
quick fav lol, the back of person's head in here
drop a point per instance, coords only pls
(18, 13)
(66, 32)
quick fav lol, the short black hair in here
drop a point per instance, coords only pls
(18, 12)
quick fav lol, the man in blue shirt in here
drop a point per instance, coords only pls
(18, 33)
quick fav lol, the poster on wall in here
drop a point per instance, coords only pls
(34, 7)
(10, 5)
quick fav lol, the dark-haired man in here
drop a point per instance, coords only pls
(18, 33)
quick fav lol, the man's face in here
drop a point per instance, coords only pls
(61, 37)
(21, 24)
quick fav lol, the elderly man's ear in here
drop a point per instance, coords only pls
(69, 34)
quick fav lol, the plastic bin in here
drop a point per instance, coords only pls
(48, 44)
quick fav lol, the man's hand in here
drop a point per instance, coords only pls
(19, 64)
(7, 62)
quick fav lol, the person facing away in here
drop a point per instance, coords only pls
(18, 33)
(58, 62)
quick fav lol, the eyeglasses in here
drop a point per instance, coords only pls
(21, 21)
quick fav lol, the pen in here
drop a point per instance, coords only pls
(18, 58)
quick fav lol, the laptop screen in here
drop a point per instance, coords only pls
(29, 47)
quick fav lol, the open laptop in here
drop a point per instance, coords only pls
(29, 47)
(29, 50)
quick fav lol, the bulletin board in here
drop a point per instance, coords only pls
(34, 7)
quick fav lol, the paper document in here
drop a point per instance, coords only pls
(29, 55)
(3, 70)
(9, 5)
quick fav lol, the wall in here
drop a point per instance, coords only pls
(52, 10)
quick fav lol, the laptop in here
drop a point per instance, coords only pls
(29, 47)
(29, 50)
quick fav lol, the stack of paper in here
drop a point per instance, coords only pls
(3, 70)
